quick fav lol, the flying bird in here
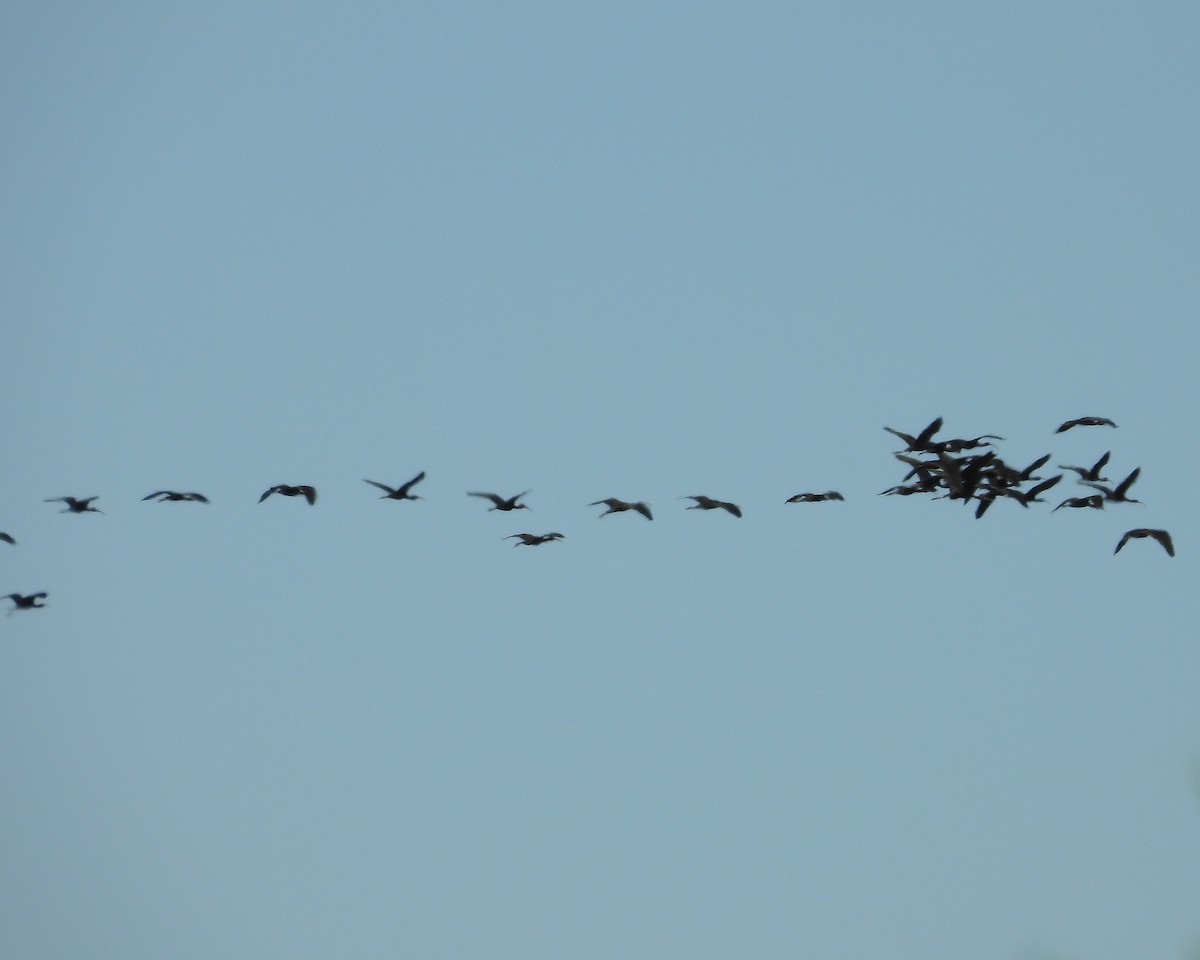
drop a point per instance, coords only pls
(307, 492)
(620, 506)
(1121, 493)
(7, 538)
(1085, 422)
(500, 502)
(1090, 473)
(26, 602)
(162, 496)
(533, 539)
(834, 495)
(401, 492)
(921, 440)
(708, 503)
(75, 505)
(1095, 501)
(1160, 535)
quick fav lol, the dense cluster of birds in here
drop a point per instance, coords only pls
(947, 469)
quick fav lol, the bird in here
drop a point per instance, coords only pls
(827, 495)
(307, 492)
(1160, 535)
(26, 602)
(1025, 498)
(7, 538)
(1095, 501)
(708, 503)
(620, 506)
(1085, 422)
(401, 492)
(1090, 473)
(921, 440)
(75, 505)
(533, 539)
(1120, 494)
(162, 496)
(500, 502)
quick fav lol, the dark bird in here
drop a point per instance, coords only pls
(7, 538)
(708, 503)
(1025, 498)
(500, 502)
(921, 440)
(1121, 493)
(533, 539)
(1085, 422)
(832, 495)
(26, 602)
(307, 492)
(399, 493)
(162, 496)
(1090, 473)
(620, 506)
(1095, 501)
(1160, 535)
(76, 506)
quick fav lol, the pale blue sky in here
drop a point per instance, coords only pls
(634, 250)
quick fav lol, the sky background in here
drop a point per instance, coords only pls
(642, 250)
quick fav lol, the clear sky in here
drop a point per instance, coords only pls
(642, 250)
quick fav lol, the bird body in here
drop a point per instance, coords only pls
(26, 601)
(1161, 536)
(499, 502)
(162, 496)
(307, 492)
(533, 539)
(834, 495)
(76, 505)
(708, 503)
(620, 506)
(1085, 422)
(401, 492)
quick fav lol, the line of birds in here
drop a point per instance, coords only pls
(979, 477)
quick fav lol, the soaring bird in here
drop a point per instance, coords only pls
(500, 502)
(1090, 473)
(1160, 535)
(7, 538)
(1121, 493)
(401, 492)
(831, 495)
(26, 602)
(162, 496)
(708, 503)
(921, 440)
(75, 505)
(1095, 501)
(533, 539)
(1085, 422)
(307, 492)
(620, 506)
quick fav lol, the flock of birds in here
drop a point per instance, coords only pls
(942, 469)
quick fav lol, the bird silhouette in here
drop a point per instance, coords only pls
(533, 539)
(500, 502)
(401, 492)
(921, 440)
(1085, 422)
(1090, 473)
(7, 538)
(75, 505)
(708, 503)
(834, 495)
(162, 496)
(1160, 535)
(1121, 493)
(307, 492)
(26, 601)
(620, 506)
(1095, 502)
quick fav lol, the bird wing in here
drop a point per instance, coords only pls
(198, 497)
(643, 510)
(1165, 539)
(268, 493)
(413, 482)
(1125, 538)
(382, 486)
(310, 493)
(732, 508)
(159, 493)
(927, 434)
(1127, 483)
(1099, 465)
(494, 497)
(7, 538)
